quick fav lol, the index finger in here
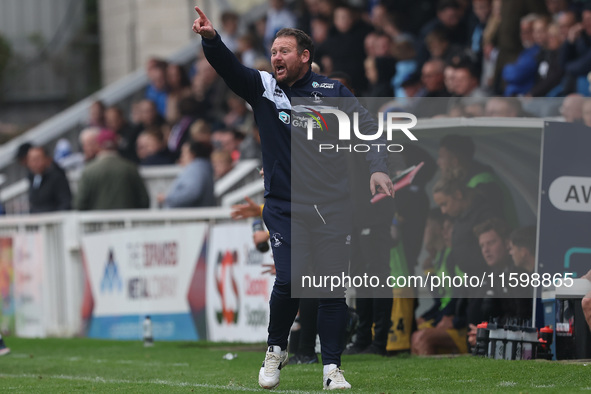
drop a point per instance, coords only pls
(201, 14)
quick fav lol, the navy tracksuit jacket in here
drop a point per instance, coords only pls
(311, 223)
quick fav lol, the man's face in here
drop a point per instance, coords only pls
(343, 19)
(113, 120)
(37, 161)
(464, 82)
(432, 77)
(518, 253)
(449, 205)
(288, 64)
(482, 9)
(566, 20)
(494, 249)
(449, 17)
(446, 161)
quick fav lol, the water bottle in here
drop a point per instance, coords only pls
(148, 338)
(257, 225)
(482, 334)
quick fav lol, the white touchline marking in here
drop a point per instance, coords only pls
(507, 384)
(98, 379)
(100, 361)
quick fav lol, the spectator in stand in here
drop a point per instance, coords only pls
(149, 115)
(209, 90)
(238, 116)
(482, 10)
(587, 112)
(490, 52)
(406, 65)
(345, 47)
(449, 22)
(412, 86)
(572, 108)
(151, 149)
(49, 189)
(64, 157)
(519, 76)
(89, 143)
(508, 45)
(96, 115)
(200, 131)
(179, 87)
(194, 185)
(188, 109)
(433, 87)
(157, 90)
(250, 147)
(550, 70)
(228, 140)
(320, 29)
(222, 163)
(378, 44)
(439, 47)
(566, 20)
(556, 7)
(449, 74)
(465, 81)
(379, 72)
(110, 181)
(127, 133)
(278, 17)
(432, 76)
(229, 29)
(247, 50)
(576, 53)
(21, 153)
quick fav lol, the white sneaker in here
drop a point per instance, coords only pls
(334, 380)
(275, 359)
(4, 351)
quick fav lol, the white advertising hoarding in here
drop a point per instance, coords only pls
(237, 289)
(139, 272)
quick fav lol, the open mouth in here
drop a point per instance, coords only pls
(280, 70)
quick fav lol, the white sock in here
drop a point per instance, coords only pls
(276, 349)
(329, 367)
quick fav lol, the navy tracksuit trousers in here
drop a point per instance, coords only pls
(309, 240)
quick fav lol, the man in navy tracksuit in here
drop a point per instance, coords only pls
(310, 224)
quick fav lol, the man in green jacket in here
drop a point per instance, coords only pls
(110, 181)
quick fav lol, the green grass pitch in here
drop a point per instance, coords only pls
(86, 365)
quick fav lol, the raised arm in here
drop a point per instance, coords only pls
(244, 81)
(203, 25)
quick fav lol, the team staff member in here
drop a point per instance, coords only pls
(321, 211)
